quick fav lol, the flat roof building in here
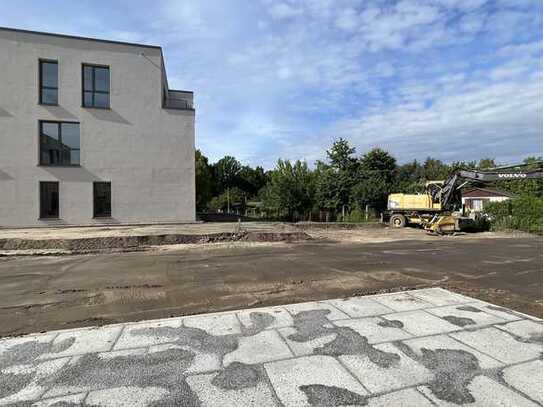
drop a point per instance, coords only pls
(90, 133)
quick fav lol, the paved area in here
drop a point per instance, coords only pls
(46, 293)
(418, 348)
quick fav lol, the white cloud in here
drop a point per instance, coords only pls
(281, 11)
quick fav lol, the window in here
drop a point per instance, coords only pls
(48, 82)
(48, 200)
(59, 143)
(96, 86)
(102, 199)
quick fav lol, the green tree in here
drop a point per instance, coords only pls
(251, 180)
(375, 179)
(290, 189)
(334, 180)
(226, 171)
(204, 181)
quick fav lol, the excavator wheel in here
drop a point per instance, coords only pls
(397, 221)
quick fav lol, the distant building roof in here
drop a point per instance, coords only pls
(484, 193)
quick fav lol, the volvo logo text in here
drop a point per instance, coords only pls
(511, 175)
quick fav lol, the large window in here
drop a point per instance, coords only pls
(48, 82)
(49, 200)
(95, 86)
(102, 199)
(59, 143)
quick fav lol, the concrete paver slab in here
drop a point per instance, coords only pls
(85, 341)
(402, 373)
(218, 324)
(333, 315)
(297, 382)
(304, 348)
(141, 335)
(421, 323)
(500, 345)
(439, 297)
(402, 302)
(281, 317)
(467, 315)
(312, 354)
(360, 307)
(483, 392)
(262, 347)
(527, 377)
(376, 329)
(402, 398)
(232, 395)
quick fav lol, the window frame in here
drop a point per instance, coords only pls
(59, 124)
(95, 215)
(94, 91)
(41, 214)
(42, 61)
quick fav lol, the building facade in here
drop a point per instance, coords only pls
(90, 133)
(475, 199)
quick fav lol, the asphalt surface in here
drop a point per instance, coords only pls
(44, 293)
(420, 349)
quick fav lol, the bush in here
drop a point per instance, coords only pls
(522, 213)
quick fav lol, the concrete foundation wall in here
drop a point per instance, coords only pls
(145, 151)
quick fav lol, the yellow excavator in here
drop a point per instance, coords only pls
(439, 209)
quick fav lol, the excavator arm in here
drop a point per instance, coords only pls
(450, 193)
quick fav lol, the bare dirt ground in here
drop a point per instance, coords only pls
(54, 292)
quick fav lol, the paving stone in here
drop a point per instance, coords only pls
(263, 347)
(447, 343)
(145, 334)
(203, 362)
(439, 296)
(499, 344)
(16, 351)
(360, 307)
(126, 396)
(405, 372)
(468, 315)
(281, 317)
(28, 378)
(334, 314)
(313, 374)
(402, 302)
(60, 401)
(527, 377)
(528, 330)
(86, 341)
(503, 313)
(487, 393)
(217, 324)
(402, 398)
(370, 328)
(247, 395)
(304, 348)
(420, 323)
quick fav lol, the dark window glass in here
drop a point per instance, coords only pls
(49, 200)
(95, 86)
(48, 82)
(59, 143)
(102, 199)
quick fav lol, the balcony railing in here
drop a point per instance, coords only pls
(175, 99)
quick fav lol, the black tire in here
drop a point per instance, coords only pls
(397, 221)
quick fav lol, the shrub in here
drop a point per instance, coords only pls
(522, 213)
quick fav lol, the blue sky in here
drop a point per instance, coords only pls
(454, 79)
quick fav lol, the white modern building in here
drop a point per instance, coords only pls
(90, 133)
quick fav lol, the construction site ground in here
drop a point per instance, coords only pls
(39, 293)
